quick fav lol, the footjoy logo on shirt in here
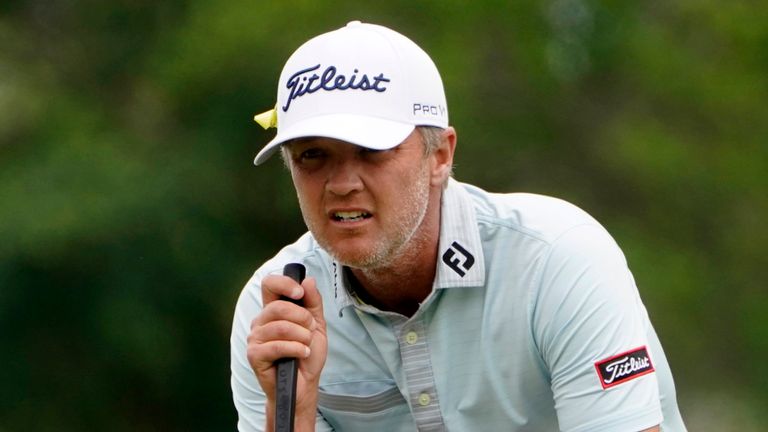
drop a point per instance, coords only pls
(458, 264)
(624, 367)
(305, 82)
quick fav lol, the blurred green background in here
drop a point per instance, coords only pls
(131, 214)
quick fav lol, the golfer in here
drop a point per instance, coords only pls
(431, 304)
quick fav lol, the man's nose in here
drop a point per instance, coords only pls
(344, 178)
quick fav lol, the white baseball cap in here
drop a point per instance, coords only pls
(363, 83)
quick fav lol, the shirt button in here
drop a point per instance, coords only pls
(424, 399)
(411, 337)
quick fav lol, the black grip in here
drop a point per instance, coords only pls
(295, 271)
(287, 369)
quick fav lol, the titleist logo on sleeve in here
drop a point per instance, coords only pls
(307, 81)
(624, 367)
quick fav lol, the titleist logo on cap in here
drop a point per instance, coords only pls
(624, 367)
(301, 82)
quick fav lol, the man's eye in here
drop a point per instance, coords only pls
(310, 154)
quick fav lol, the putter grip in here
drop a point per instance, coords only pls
(287, 369)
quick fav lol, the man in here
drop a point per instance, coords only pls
(429, 304)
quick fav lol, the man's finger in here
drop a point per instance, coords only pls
(262, 355)
(281, 310)
(281, 330)
(275, 286)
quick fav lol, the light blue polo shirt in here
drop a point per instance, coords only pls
(534, 324)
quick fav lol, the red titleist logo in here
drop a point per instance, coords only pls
(624, 367)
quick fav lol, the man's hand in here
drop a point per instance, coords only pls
(284, 329)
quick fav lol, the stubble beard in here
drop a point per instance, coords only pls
(405, 238)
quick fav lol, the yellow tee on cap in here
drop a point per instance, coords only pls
(267, 119)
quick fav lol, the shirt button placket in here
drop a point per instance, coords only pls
(417, 368)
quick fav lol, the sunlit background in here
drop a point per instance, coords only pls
(131, 214)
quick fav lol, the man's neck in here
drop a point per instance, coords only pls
(401, 286)
(397, 288)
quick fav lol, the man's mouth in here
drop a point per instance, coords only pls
(350, 216)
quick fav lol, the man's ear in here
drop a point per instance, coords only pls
(442, 157)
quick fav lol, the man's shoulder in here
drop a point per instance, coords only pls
(541, 216)
(304, 250)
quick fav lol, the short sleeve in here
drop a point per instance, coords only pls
(249, 399)
(587, 312)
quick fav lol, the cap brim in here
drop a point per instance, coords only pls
(372, 133)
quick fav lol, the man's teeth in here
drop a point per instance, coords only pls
(350, 216)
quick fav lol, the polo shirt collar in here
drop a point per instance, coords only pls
(460, 260)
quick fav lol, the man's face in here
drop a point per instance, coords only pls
(363, 206)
